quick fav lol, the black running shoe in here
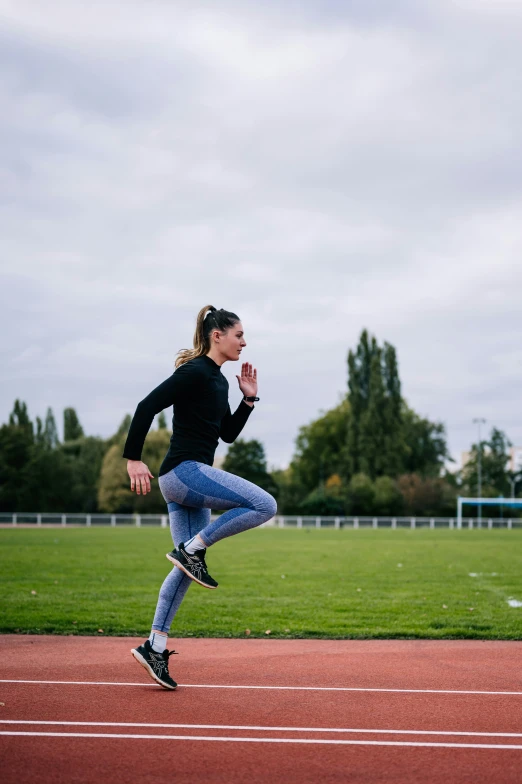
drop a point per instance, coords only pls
(193, 565)
(156, 664)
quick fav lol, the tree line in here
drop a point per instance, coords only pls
(369, 455)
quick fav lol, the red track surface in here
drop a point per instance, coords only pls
(373, 669)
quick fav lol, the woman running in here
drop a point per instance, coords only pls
(189, 484)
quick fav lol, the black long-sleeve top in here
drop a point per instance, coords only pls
(199, 393)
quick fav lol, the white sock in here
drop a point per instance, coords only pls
(158, 641)
(194, 544)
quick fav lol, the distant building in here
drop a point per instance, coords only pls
(515, 463)
(464, 459)
(515, 459)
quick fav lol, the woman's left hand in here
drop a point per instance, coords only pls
(248, 380)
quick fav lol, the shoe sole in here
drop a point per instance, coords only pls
(139, 658)
(183, 569)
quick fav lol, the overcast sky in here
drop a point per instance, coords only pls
(316, 167)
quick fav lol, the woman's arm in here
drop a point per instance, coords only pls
(181, 385)
(161, 397)
(233, 424)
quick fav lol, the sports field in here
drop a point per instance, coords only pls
(292, 583)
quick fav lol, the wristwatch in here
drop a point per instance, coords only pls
(250, 399)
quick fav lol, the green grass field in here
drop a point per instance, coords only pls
(295, 583)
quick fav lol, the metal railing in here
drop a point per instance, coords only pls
(43, 519)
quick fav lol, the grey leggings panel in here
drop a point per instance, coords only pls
(191, 490)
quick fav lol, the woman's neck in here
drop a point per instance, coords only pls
(216, 357)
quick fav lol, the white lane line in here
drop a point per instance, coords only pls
(249, 727)
(316, 741)
(78, 683)
(270, 688)
(343, 688)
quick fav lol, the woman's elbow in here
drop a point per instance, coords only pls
(146, 406)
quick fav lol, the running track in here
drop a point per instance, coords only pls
(80, 709)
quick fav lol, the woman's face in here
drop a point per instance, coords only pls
(232, 342)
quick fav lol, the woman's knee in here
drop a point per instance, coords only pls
(267, 505)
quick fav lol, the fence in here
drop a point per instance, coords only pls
(42, 519)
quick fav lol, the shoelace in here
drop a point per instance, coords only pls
(202, 558)
(202, 565)
(166, 657)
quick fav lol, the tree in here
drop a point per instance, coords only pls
(50, 431)
(247, 459)
(425, 444)
(372, 457)
(19, 417)
(84, 458)
(321, 448)
(33, 473)
(359, 373)
(375, 443)
(162, 421)
(290, 492)
(494, 460)
(371, 432)
(16, 448)
(47, 481)
(71, 425)
(39, 436)
(394, 442)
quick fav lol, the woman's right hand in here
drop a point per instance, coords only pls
(140, 476)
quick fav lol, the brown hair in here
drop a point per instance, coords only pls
(208, 319)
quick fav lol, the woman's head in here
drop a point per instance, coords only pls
(218, 330)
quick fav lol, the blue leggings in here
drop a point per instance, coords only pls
(191, 490)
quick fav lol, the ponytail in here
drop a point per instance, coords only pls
(207, 320)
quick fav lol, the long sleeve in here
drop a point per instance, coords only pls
(178, 387)
(233, 424)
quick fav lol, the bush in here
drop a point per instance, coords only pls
(321, 502)
(427, 497)
(388, 500)
(361, 495)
